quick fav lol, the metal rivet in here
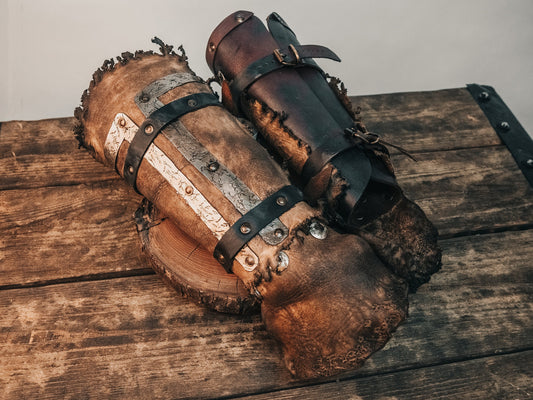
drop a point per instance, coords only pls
(213, 166)
(318, 231)
(505, 126)
(131, 170)
(245, 228)
(145, 98)
(220, 257)
(485, 96)
(239, 17)
(189, 190)
(249, 260)
(283, 261)
(149, 129)
(281, 201)
(192, 103)
(212, 46)
(122, 122)
(530, 163)
(279, 233)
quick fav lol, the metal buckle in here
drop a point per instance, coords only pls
(281, 57)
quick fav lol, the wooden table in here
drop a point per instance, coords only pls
(83, 316)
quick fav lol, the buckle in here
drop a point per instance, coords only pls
(281, 57)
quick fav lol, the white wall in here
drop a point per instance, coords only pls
(51, 47)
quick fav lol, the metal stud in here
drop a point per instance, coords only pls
(221, 258)
(239, 17)
(484, 96)
(145, 98)
(249, 260)
(279, 233)
(122, 122)
(213, 166)
(245, 228)
(281, 201)
(529, 163)
(318, 231)
(212, 46)
(192, 103)
(131, 170)
(505, 126)
(149, 129)
(189, 190)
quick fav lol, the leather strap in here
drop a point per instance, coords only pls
(249, 225)
(337, 143)
(292, 56)
(153, 125)
(225, 27)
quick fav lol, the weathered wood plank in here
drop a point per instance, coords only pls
(133, 337)
(468, 191)
(47, 136)
(60, 232)
(427, 121)
(45, 153)
(41, 170)
(499, 378)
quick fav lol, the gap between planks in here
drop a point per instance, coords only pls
(340, 388)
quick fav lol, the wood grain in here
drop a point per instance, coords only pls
(60, 232)
(427, 121)
(466, 191)
(134, 337)
(505, 377)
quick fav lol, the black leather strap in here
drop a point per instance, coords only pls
(293, 56)
(153, 125)
(249, 225)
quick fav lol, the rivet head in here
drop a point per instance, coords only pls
(149, 129)
(245, 228)
(122, 122)
(279, 233)
(283, 261)
(484, 96)
(529, 163)
(318, 231)
(220, 257)
(505, 126)
(239, 17)
(212, 46)
(189, 190)
(192, 103)
(145, 98)
(131, 170)
(281, 201)
(213, 166)
(249, 260)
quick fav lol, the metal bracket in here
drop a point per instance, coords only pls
(512, 134)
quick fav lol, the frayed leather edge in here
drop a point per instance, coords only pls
(109, 65)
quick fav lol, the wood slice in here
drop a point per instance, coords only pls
(188, 267)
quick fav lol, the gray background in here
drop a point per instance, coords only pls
(52, 47)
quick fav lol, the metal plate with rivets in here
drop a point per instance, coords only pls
(510, 131)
